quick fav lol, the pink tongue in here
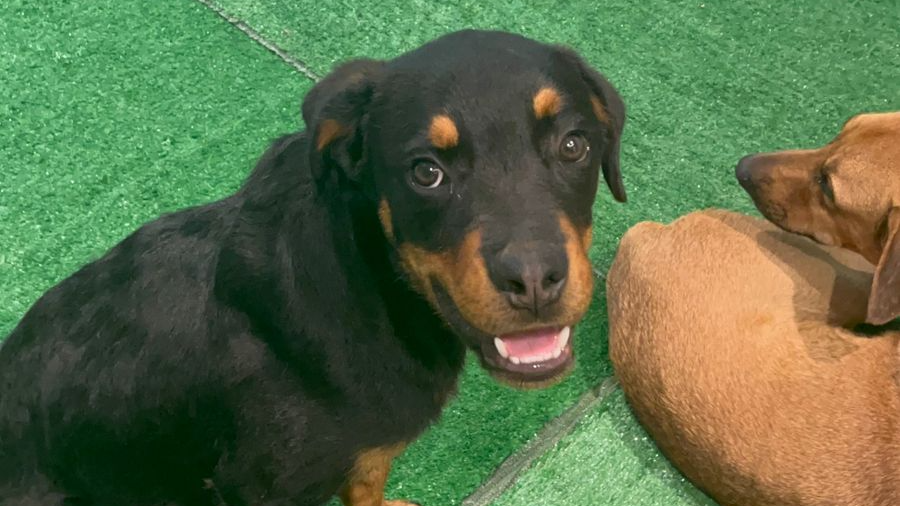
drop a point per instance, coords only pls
(528, 344)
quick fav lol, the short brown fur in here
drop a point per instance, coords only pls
(547, 102)
(729, 338)
(442, 132)
(365, 484)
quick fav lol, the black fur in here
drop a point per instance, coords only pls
(245, 351)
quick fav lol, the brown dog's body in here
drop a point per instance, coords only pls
(720, 339)
(732, 338)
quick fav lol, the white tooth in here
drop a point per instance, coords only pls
(564, 338)
(556, 353)
(501, 348)
(515, 360)
(538, 358)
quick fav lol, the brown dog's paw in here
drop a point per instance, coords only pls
(401, 503)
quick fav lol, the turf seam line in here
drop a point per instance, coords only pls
(298, 65)
(509, 470)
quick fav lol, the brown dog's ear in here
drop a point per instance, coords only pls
(884, 299)
(334, 112)
(610, 110)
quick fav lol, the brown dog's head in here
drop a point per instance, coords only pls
(846, 194)
(481, 152)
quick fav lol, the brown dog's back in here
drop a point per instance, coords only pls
(726, 335)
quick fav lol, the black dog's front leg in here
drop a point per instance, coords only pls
(285, 448)
(365, 483)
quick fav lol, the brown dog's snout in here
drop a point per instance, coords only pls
(744, 171)
(531, 275)
(754, 173)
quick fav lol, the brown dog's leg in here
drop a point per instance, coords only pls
(365, 485)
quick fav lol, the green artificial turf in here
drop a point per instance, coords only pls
(113, 111)
(607, 459)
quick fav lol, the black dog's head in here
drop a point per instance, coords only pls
(481, 152)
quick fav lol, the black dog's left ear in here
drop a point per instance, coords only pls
(334, 112)
(610, 109)
(884, 299)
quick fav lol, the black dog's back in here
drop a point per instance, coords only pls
(122, 368)
(101, 363)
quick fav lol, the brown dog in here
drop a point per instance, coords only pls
(844, 194)
(733, 340)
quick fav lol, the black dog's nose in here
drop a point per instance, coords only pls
(531, 276)
(744, 170)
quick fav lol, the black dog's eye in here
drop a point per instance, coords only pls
(427, 175)
(824, 182)
(573, 148)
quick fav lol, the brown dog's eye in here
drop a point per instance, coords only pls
(824, 182)
(427, 175)
(574, 148)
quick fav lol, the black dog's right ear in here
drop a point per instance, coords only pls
(334, 112)
(609, 108)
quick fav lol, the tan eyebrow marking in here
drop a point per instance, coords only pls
(443, 133)
(546, 102)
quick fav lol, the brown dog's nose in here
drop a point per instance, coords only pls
(531, 276)
(744, 171)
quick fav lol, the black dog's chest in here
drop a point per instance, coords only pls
(402, 413)
(389, 407)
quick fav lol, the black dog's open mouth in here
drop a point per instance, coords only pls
(536, 355)
(530, 359)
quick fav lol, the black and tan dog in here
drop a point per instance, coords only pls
(282, 345)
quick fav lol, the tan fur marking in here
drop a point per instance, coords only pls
(443, 133)
(462, 273)
(384, 215)
(599, 110)
(580, 284)
(587, 238)
(547, 102)
(329, 130)
(365, 483)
